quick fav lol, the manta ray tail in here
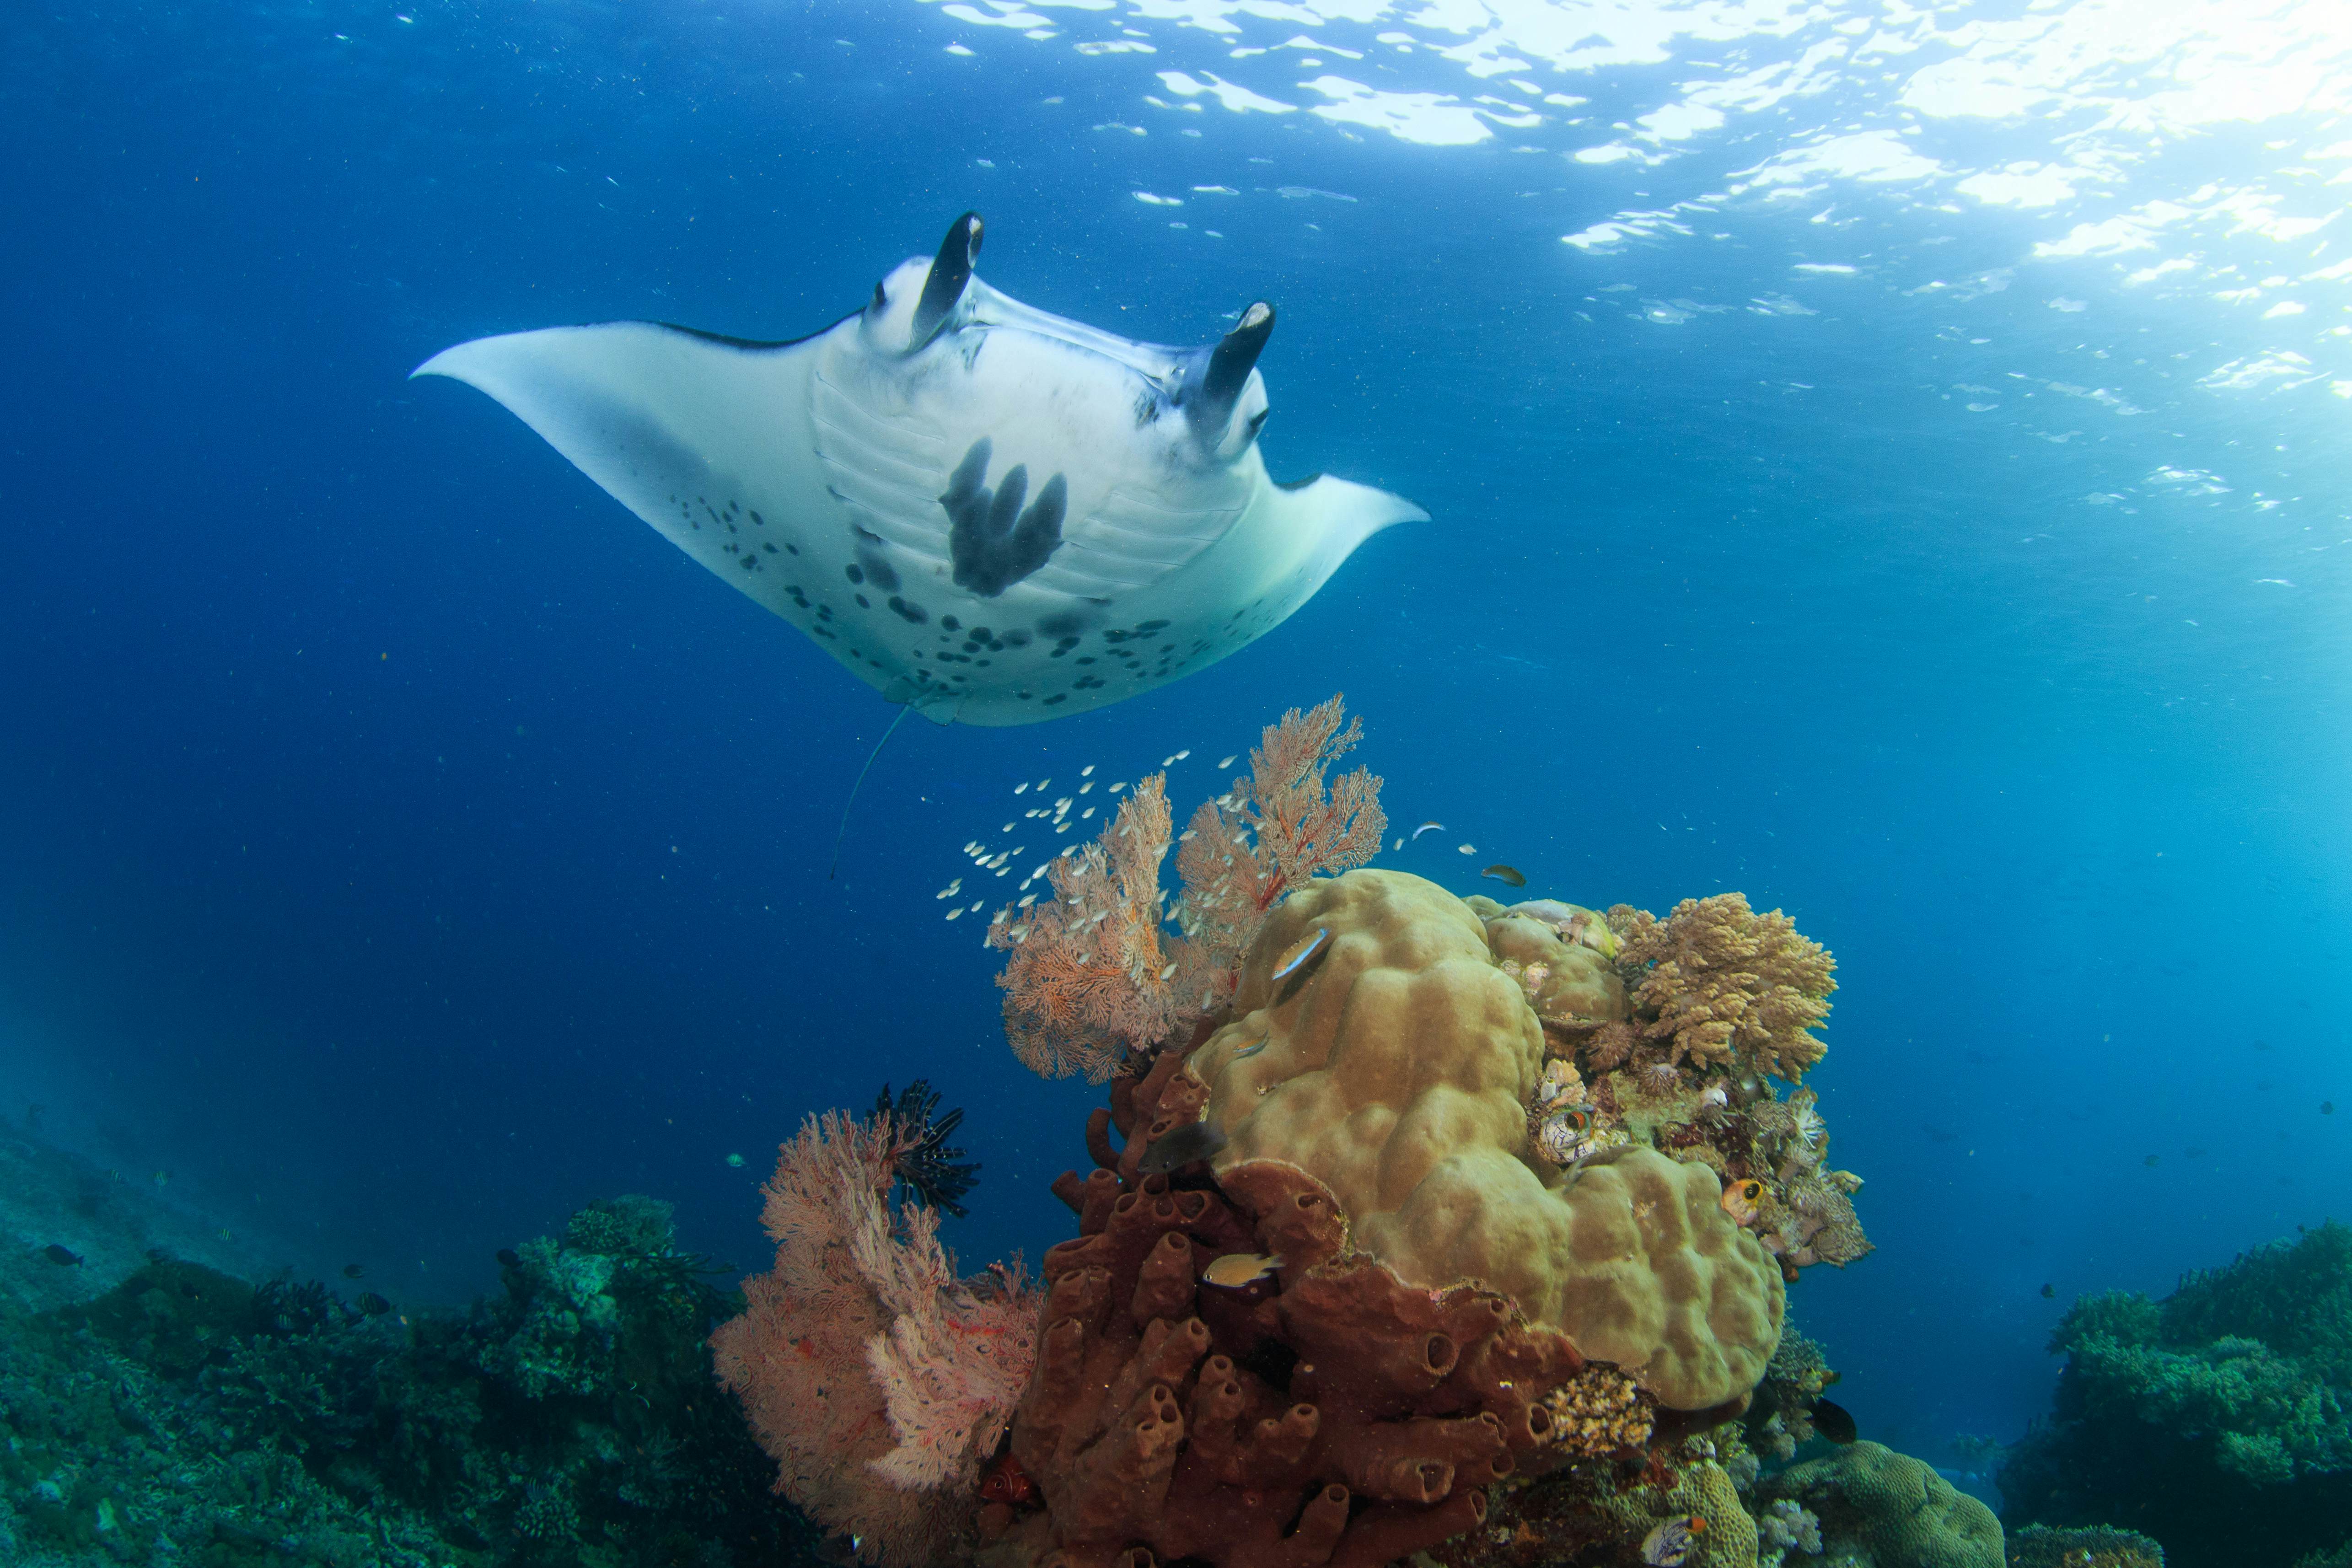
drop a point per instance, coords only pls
(843, 831)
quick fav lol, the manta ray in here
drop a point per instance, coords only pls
(990, 514)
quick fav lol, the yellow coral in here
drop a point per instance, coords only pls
(1724, 985)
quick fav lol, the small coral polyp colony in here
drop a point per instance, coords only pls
(1401, 1203)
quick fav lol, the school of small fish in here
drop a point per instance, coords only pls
(1065, 812)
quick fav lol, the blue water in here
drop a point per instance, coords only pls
(402, 845)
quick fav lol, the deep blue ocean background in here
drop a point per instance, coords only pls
(401, 845)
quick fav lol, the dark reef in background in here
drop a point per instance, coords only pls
(2218, 1420)
(573, 1419)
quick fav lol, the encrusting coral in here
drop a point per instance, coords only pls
(878, 1380)
(1093, 974)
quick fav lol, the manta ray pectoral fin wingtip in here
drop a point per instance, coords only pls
(1351, 512)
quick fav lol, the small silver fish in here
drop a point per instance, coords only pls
(1299, 951)
(1235, 1269)
(1193, 1140)
(1671, 1544)
(1428, 828)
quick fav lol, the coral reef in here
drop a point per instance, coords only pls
(1676, 1030)
(1595, 1514)
(186, 1415)
(878, 1380)
(1092, 975)
(2039, 1546)
(1397, 1069)
(1879, 1509)
(2218, 1420)
(1437, 1225)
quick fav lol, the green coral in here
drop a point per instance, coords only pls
(2218, 1419)
(570, 1419)
(2257, 1357)
(1879, 1509)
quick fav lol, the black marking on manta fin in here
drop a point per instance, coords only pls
(951, 270)
(993, 540)
(1216, 381)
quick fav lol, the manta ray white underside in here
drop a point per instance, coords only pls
(989, 513)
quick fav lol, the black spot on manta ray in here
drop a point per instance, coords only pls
(994, 541)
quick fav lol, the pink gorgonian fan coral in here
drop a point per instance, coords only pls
(877, 1379)
(1087, 979)
(1093, 974)
(1275, 830)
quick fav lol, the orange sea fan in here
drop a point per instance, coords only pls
(1275, 830)
(877, 1379)
(1094, 974)
(1087, 978)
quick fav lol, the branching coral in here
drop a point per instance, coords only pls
(1093, 976)
(877, 1379)
(1720, 985)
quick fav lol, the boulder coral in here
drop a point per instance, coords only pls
(1879, 1509)
(1396, 1068)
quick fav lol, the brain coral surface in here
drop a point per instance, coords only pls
(1397, 1066)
